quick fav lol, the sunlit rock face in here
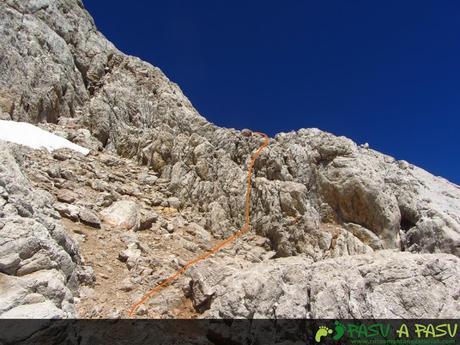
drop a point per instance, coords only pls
(315, 196)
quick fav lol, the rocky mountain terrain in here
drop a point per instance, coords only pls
(337, 229)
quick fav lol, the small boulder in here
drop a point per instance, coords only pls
(156, 201)
(147, 179)
(33, 298)
(169, 227)
(67, 211)
(105, 199)
(174, 202)
(39, 261)
(131, 254)
(10, 263)
(123, 214)
(126, 285)
(89, 218)
(86, 275)
(68, 175)
(54, 171)
(147, 219)
(61, 155)
(43, 310)
(141, 311)
(67, 196)
(100, 186)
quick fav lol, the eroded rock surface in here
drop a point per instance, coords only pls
(39, 263)
(380, 285)
(181, 182)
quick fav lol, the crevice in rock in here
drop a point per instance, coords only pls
(406, 223)
(323, 161)
(82, 69)
(408, 218)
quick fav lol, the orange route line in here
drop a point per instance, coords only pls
(239, 233)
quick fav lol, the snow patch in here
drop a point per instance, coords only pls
(36, 138)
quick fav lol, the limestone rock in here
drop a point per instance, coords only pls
(366, 236)
(147, 219)
(383, 285)
(10, 263)
(315, 197)
(68, 211)
(123, 214)
(88, 217)
(131, 254)
(126, 285)
(133, 109)
(37, 255)
(174, 202)
(42, 310)
(67, 196)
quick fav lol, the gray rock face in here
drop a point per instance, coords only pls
(39, 262)
(49, 46)
(305, 178)
(381, 285)
(314, 195)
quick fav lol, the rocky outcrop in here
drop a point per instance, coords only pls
(306, 178)
(382, 285)
(315, 195)
(39, 263)
(124, 263)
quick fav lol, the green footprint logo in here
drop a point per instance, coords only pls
(323, 331)
(339, 331)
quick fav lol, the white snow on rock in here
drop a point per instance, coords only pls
(36, 138)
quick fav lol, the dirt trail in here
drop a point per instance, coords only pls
(218, 247)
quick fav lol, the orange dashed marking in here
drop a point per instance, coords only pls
(239, 233)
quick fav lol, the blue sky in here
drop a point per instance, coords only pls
(382, 72)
